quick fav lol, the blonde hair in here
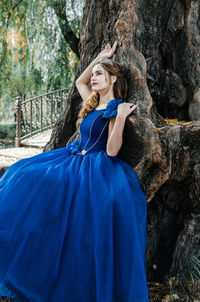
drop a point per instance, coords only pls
(120, 88)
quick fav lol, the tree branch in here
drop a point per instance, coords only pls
(68, 34)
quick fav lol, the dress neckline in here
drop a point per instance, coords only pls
(106, 106)
(100, 109)
(103, 108)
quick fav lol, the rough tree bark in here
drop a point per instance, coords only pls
(159, 40)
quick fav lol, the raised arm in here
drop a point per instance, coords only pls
(84, 79)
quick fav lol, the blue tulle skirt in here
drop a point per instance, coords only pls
(72, 228)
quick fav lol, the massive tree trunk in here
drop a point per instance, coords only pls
(159, 40)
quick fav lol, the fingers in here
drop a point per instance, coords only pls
(134, 106)
(114, 46)
(128, 106)
(108, 50)
(131, 107)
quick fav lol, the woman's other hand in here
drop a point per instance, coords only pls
(124, 109)
(108, 51)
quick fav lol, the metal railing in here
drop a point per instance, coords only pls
(38, 114)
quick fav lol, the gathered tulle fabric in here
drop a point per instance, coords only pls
(73, 226)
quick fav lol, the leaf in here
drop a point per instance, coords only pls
(185, 123)
(173, 121)
(160, 128)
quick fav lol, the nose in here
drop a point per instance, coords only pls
(93, 77)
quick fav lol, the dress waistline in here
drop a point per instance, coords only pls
(84, 152)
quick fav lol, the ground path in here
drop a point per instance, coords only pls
(31, 146)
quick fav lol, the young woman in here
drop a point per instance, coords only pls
(73, 220)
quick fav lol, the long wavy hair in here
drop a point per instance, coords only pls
(120, 88)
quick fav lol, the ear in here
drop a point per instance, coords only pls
(113, 79)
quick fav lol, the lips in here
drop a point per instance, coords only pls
(94, 84)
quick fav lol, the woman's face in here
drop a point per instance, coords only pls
(100, 78)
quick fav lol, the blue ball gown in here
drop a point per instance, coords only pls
(73, 223)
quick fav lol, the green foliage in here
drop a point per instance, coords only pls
(34, 57)
(7, 131)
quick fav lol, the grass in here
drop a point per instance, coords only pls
(7, 135)
(7, 131)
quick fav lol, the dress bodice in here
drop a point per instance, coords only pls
(94, 129)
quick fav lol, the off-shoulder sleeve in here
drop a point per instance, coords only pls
(111, 109)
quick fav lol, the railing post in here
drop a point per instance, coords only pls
(41, 113)
(61, 101)
(18, 123)
(31, 117)
(51, 109)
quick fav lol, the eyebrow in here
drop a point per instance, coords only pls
(97, 71)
